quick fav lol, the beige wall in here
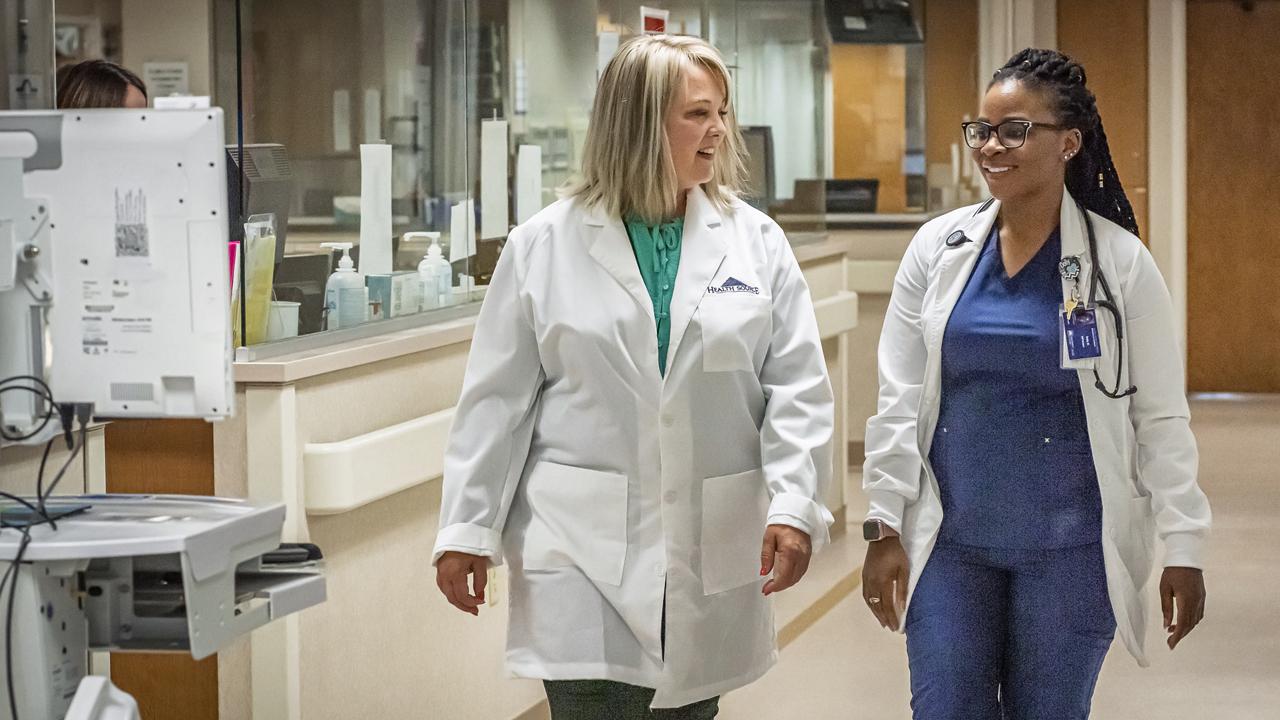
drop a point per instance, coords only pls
(873, 259)
(385, 643)
(169, 31)
(19, 465)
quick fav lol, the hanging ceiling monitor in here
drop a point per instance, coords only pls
(126, 212)
(872, 22)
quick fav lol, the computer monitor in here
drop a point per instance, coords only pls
(301, 279)
(856, 195)
(268, 188)
(124, 251)
(759, 146)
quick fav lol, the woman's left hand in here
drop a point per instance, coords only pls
(785, 553)
(1184, 587)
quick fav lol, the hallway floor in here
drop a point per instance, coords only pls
(845, 666)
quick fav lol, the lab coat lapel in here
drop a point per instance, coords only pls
(1074, 238)
(610, 246)
(702, 249)
(956, 264)
(950, 276)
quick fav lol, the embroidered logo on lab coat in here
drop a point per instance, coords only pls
(733, 285)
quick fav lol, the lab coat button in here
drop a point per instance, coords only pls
(669, 496)
(659, 570)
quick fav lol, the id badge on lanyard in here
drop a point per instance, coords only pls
(1077, 323)
(1080, 337)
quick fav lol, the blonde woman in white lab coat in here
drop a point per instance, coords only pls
(645, 428)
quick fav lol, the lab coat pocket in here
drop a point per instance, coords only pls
(732, 326)
(735, 509)
(578, 518)
(1137, 552)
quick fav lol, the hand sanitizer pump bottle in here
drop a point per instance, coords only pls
(436, 275)
(346, 299)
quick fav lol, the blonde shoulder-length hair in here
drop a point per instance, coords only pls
(626, 164)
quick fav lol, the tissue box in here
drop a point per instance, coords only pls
(399, 292)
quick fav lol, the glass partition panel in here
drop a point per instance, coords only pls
(27, 34)
(360, 125)
(480, 110)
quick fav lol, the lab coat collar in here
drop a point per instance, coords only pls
(1072, 234)
(1074, 237)
(1071, 227)
(610, 246)
(960, 252)
(702, 250)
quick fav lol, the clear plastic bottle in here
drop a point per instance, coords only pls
(346, 299)
(436, 275)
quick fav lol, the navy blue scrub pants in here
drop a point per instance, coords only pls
(997, 634)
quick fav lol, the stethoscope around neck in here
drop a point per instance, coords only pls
(1096, 279)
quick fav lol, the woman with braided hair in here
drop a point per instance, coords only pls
(1033, 435)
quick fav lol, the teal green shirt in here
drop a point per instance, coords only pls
(657, 249)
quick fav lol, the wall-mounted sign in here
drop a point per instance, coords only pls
(166, 78)
(654, 20)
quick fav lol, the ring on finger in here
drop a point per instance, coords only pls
(873, 601)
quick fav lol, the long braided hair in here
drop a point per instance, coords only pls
(1091, 175)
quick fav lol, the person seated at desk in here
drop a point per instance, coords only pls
(99, 84)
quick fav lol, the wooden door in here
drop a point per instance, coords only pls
(1109, 39)
(1233, 172)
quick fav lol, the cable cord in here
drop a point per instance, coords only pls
(42, 391)
(58, 478)
(10, 579)
(12, 574)
(69, 414)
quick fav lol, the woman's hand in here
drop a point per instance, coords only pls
(452, 570)
(786, 553)
(1184, 587)
(884, 580)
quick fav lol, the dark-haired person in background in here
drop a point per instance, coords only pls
(99, 84)
(1033, 433)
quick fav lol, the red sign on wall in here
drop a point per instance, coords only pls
(654, 20)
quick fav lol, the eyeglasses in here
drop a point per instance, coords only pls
(1011, 133)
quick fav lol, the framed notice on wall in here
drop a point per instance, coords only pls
(653, 21)
(166, 78)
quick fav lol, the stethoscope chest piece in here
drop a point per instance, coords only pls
(957, 238)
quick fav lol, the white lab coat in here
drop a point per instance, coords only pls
(601, 482)
(1143, 449)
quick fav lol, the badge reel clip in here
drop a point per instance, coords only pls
(1079, 322)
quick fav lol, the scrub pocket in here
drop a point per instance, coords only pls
(732, 327)
(578, 518)
(735, 509)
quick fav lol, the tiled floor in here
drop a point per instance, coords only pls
(845, 666)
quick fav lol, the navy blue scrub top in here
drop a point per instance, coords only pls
(1011, 449)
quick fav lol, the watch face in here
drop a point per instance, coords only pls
(871, 530)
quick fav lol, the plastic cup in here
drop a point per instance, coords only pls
(282, 320)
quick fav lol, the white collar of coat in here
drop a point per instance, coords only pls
(958, 262)
(699, 211)
(1071, 228)
(703, 247)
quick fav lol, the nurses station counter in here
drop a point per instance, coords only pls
(350, 437)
